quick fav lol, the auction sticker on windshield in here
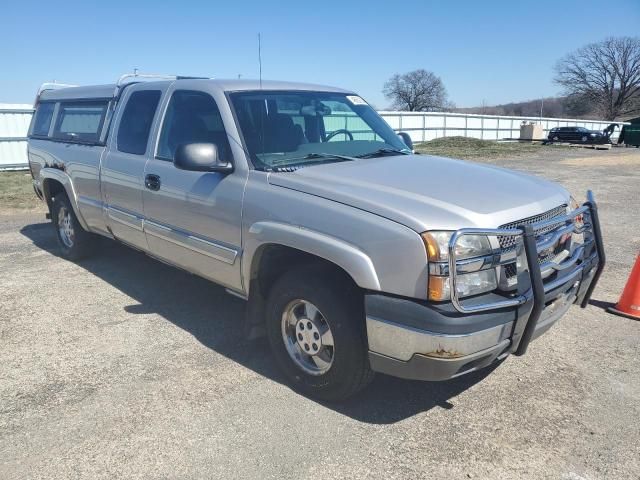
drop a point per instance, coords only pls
(356, 100)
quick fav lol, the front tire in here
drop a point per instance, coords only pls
(74, 241)
(316, 327)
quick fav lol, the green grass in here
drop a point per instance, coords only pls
(16, 192)
(475, 149)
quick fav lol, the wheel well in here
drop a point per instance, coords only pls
(273, 260)
(51, 188)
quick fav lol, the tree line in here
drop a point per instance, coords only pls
(600, 80)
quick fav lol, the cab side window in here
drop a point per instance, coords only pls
(80, 122)
(137, 118)
(42, 119)
(192, 117)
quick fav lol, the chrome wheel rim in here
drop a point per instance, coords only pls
(584, 139)
(65, 227)
(307, 337)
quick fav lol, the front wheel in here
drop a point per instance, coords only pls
(75, 242)
(316, 328)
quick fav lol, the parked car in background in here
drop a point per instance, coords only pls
(354, 254)
(577, 135)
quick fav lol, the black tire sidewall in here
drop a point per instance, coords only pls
(343, 312)
(80, 244)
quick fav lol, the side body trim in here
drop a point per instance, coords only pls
(126, 218)
(188, 240)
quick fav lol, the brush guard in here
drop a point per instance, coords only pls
(532, 294)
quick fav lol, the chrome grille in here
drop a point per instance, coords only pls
(510, 269)
(508, 243)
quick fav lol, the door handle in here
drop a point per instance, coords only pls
(152, 182)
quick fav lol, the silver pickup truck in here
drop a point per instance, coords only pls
(354, 254)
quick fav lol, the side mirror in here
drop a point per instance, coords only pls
(200, 157)
(404, 136)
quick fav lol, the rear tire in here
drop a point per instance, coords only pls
(306, 306)
(74, 241)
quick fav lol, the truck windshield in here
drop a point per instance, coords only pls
(286, 129)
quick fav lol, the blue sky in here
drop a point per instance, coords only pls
(494, 52)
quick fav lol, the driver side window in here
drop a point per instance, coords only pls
(192, 117)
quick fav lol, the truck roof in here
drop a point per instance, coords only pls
(230, 85)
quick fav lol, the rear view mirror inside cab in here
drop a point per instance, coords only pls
(316, 109)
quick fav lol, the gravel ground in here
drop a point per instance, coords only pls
(121, 366)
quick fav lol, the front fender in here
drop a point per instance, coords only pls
(348, 257)
(48, 174)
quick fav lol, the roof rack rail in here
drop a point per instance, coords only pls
(50, 86)
(136, 77)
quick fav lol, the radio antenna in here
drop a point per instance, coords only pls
(260, 59)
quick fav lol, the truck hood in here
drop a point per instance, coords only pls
(428, 193)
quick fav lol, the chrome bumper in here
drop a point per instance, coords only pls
(416, 352)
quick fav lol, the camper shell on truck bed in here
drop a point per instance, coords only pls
(354, 254)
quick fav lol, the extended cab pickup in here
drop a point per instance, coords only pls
(354, 254)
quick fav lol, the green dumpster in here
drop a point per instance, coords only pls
(630, 134)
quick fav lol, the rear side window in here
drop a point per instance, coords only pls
(80, 121)
(135, 125)
(42, 119)
(192, 117)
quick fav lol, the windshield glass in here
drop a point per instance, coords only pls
(283, 129)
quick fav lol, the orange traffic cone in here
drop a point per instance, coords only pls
(629, 303)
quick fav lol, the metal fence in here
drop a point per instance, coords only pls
(14, 123)
(425, 126)
(421, 126)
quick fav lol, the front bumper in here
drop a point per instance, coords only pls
(430, 341)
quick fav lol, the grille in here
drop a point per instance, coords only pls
(508, 243)
(510, 269)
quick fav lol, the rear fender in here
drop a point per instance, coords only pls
(48, 175)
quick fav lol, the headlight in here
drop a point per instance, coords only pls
(593, 134)
(579, 222)
(467, 247)
(467, 284)
(574, 205)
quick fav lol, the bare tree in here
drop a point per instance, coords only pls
(606, 73)
(417, 91)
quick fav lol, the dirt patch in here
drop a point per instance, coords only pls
(604, 159)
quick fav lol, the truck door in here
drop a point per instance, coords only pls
(193, 219)
(122, 177)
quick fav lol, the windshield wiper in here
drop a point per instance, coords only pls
(315, 155)
(382, 152)
(286, 166)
